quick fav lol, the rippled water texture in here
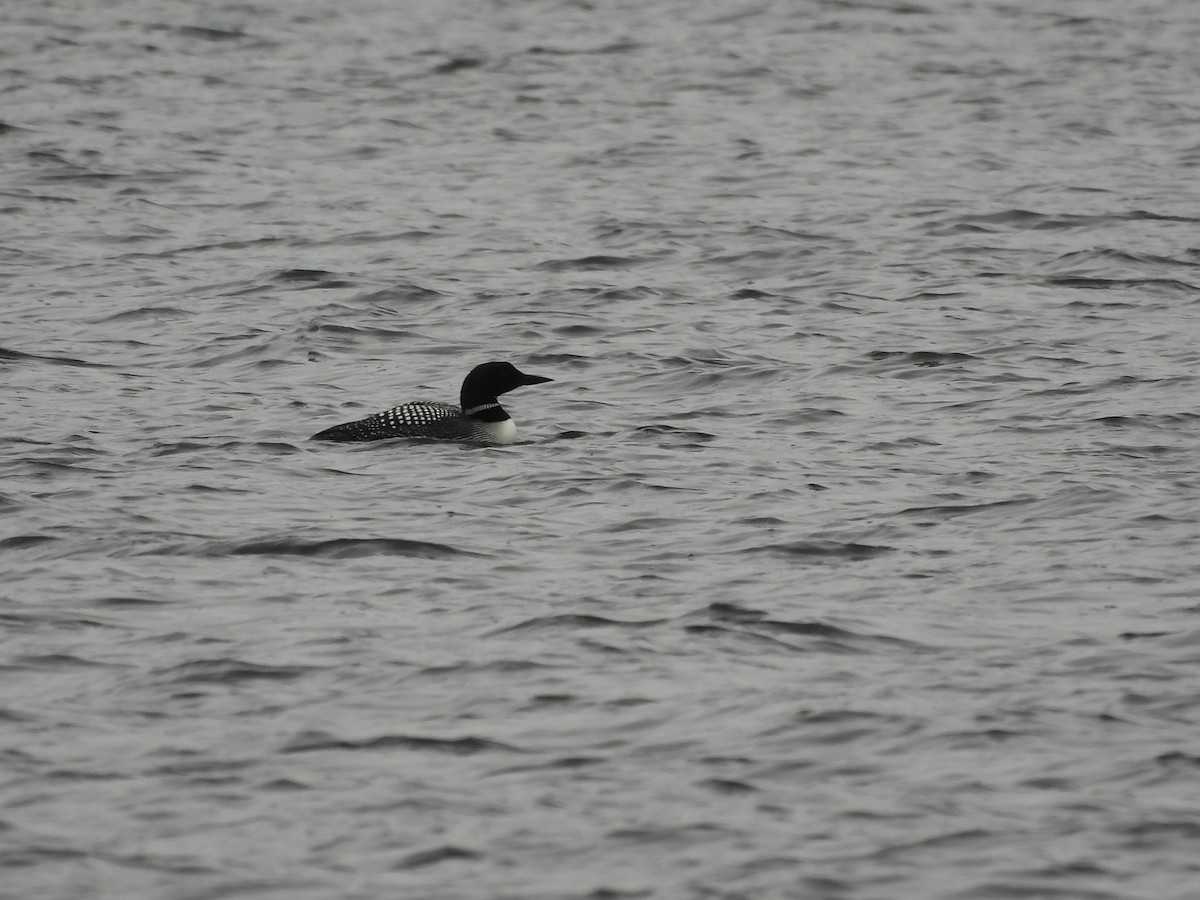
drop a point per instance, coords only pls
(851, 554)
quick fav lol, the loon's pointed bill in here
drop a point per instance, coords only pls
(478, 419)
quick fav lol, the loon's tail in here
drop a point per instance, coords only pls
(349, 431)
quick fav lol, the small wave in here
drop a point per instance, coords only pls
(905, 443)
(230, 671)
(573, 621)
(1107, 284)
(496, 667)
(802, 415)
(311, 279)
(557, 764)
(173, 448)
(126, 602)
(143, 313)
(727, 786)
(642, 523)
(332, 548)
(925, 359)
(345, 548)
(1112, 258)
(1014, 219)
(591, 263)
(636, 292)
(59, 662)
(310, 741)
(842, 638)
(286, 275)
(204, 248)
(821, 550)
(842, 726)
(622, 45)
(748, 640)
(904, 363)
(323, 327)
(953, 510)
(578, 331)
(7, 355)
(1030, 220)
(402, 293)
(670, 434)
(170, 448)
(457, 64)
(20, 541)
(1148, 420)
(437, 855)
(831, 637)
(208, 33)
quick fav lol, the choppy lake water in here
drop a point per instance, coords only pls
(852, 553)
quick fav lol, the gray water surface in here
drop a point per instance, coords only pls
(851, 554)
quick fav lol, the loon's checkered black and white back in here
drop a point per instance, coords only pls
(480, 418)
(421, 418)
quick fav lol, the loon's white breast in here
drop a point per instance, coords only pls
(502, 432)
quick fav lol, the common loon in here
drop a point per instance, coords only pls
(480, 419)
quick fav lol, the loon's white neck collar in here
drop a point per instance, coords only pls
(481, 408)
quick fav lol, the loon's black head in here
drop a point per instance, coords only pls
(488, 381)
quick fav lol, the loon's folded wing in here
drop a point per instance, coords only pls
(420, 419)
